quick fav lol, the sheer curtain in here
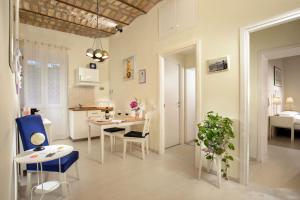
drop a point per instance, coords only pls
(45, 83)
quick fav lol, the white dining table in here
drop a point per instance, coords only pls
(104, 124)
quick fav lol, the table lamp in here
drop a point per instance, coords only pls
(289, 101)
(38, 140)
(276, 102)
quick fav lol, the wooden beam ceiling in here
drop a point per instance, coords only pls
(37, 13)
(133, 6)
(80, 16)
(90, 11)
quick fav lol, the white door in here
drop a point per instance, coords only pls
(190, 105)
(171, 104)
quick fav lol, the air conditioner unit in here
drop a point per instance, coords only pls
(87, 77)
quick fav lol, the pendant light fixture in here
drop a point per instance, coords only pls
(99, 54)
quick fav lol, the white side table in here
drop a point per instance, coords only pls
(51, 152)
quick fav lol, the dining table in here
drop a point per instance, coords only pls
(101, 124)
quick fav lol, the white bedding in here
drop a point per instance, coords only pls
(294, 114)
(288, 113)
(297, 119)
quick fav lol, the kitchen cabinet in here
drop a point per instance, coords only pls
(87, 77)
(78, 123)
(167, 18)
(177, 15)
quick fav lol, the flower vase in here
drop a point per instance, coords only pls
(141, 115)
(137, 114)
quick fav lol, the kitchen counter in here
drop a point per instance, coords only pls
(78, 120)
(90, 108)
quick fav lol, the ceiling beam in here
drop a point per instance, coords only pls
(90, 11)
(132, 6)
(56, 18)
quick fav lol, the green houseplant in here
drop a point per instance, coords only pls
(216, 133)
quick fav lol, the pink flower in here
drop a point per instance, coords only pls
(133, 104)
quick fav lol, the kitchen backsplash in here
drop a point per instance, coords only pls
(81, 95)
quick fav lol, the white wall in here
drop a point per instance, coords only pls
(292, 81)
(290, 67)
(190, 59)
(280, 36)
(77, 46)
(218, 28)
(8, 111)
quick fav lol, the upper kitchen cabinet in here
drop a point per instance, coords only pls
(177, 15)
(87, 77)
(167, 18)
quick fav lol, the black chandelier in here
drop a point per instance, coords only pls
(99, 54)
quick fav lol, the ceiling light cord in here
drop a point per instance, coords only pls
(98, 23)
(98, 54)
(97, 12)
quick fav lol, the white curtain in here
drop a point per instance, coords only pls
(45, 83)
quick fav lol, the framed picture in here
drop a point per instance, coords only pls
(218, 64)
(142, 76)
(129, 68)
(278, 77)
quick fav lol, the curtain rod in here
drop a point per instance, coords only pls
(44, 43)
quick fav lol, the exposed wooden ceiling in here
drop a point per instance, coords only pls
(80, 16)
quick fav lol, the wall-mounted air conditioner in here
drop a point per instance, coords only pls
(87, 77)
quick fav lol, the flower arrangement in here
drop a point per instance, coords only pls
(134, 105)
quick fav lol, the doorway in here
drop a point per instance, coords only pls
(268, 61)
(180, 97)
(245, 104)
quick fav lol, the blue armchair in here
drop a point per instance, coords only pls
(28, 125)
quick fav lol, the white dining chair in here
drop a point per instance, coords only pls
(113, 132)
(139, 137)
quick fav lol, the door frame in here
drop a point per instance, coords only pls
(199, 86)
(245, 84)
(262, 124)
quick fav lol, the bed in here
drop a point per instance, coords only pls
(285, 119)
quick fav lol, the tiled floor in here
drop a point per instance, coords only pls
(172, 177)
(281, 170)
(283, 138)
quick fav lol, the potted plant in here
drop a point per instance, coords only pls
(216, 133)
